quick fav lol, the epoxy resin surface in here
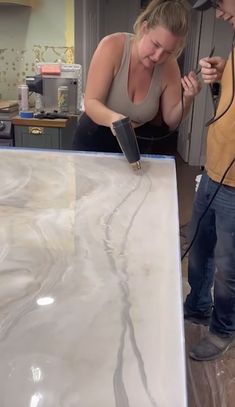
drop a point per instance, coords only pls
(90, 282)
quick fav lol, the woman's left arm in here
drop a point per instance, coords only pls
(171, 99)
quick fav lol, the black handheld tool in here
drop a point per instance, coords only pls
(203, 5)
(127, 140)
(209, 56)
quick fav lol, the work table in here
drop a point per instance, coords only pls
(90, 282)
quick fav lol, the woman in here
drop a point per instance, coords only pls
(136, 75)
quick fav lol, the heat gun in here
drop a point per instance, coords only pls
(127, 141)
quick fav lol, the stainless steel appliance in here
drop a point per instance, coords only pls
(49, 78)
(6, 133)
(8, 109)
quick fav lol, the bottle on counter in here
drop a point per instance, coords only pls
(63, 99)
(23, 97)
(38, 102)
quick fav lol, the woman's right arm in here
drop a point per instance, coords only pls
(103, 67)
(212, 69)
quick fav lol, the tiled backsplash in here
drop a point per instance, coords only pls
(16, 64)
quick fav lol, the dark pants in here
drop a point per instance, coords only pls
(212, 256)
(90, 136)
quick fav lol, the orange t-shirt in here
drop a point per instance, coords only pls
(221, 134)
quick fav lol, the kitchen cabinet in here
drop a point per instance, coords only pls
(44, 133)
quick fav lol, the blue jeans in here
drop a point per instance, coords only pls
(212, 256)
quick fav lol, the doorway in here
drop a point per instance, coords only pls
(96, 18)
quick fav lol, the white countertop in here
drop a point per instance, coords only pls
(102, 243)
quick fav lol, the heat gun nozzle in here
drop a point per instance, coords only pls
(136, 165)
(127, 140)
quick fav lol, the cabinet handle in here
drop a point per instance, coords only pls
(36, 131)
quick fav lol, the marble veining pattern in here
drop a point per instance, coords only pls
(90, 283)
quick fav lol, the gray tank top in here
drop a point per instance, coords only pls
(118, 98)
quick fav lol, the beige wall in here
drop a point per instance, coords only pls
(43, 32)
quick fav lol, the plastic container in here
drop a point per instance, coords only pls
(26, 115)
(23, 98)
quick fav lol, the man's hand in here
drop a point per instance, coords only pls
(212, 69)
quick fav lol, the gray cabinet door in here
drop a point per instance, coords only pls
(26, 136)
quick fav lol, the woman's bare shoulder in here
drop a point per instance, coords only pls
(115, 38)
(110, 50)
(171, 65)
(113, 43)
(170, 71)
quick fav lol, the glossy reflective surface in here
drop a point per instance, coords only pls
(90, 299)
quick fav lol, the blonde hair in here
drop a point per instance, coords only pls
(173, 15)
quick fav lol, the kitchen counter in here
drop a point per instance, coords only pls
(17, 120)
(90, 282)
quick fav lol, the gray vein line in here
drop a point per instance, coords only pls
(120, 393)
(129, 320)
(140, 362)
(119, 388)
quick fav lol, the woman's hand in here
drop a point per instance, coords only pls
(212, 69)
(191, 85)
